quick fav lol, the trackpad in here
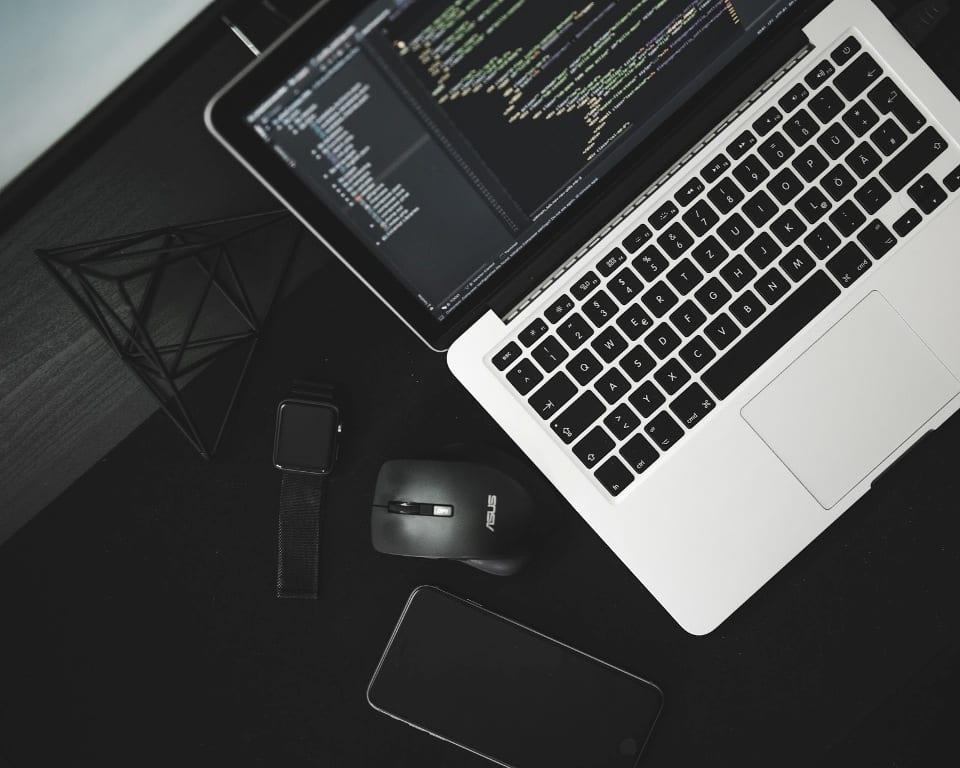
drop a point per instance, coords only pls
(850, 400)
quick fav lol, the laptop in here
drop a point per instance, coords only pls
(694, 256)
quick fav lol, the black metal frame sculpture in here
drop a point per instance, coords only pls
(116, 283)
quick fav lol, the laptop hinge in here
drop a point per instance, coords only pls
(685, 143)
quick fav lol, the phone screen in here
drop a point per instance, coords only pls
(508, 693)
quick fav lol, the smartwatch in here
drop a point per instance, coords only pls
(305, 447)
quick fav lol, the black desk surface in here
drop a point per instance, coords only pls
(140, 624)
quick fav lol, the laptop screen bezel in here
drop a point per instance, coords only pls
(226, 116)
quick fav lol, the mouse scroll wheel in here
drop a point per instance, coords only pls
(423, 510)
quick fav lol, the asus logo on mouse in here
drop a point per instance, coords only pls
(491, 512)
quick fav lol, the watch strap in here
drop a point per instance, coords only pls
(298, 554)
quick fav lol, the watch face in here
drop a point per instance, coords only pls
(306, 437)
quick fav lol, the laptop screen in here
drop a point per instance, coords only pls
(448, 134)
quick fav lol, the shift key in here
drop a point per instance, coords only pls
(913, 160)
(786, 321)
(574, 421)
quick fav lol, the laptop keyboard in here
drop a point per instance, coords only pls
(642, 347)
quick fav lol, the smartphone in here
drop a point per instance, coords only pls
(508, 693)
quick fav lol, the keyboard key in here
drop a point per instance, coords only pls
(826, 105)
(914, 159)
(639, 454)
(760, 209)
(722, 331)
(783, 323)
(638, 364)
(864, 160)
(735, 231)
(741, 145)
(609, 265)
(838, 183)
(873, 196)
(614, 476)
(889, 137)
(785, 186)
(689, 191)
(952, 181)
(647, 399)
(650, 263)
(713, 296)
(793, 98)
(847, 219)
(575, 331)
(836, 141)
(788, 228)
(505, 356)
(801, 128)
(820, 74)
(685, 277)
(585, 285)
(660, 299)
(671, 377)
(675, 241)
(710, 254)
(662, 341)
(908, 222)
(638, 238)
(688, 318)
(849, 264)
(609, 345)
(751, 173)
(552, 396)
(797, 264)
(738, 273)
(600, 308)
(877, 239)
(559, 309)
(813, 205)
(846, 51)
(858, 76)
(717, 167)
(860, 118)
(700, 218)
(697, 354)
(612, 386)
(664, 431)
(663, 215)
(626, 286)
(532, 333)
(622, 422)
(822, 241)
(776, 150)
(811, 163)
(550, 354)
(889, 99)
(747, 308)
(763, 250)
(692, 406)
(767, 121)
(927, 194)
(725, 195)
(772, 287)
(574, 421)
(634, 322)
(593, 447)
(585, 367)
(524, 377)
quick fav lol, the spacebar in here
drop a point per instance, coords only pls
(781, 325)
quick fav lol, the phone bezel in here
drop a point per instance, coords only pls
(494, 614)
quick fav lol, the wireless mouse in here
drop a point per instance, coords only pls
(459, 510)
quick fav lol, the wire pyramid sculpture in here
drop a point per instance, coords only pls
(172, 301)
